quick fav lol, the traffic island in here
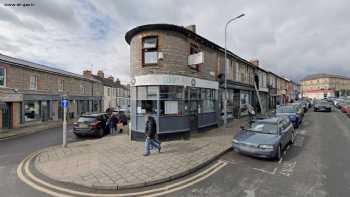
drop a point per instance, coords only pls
(116, 163)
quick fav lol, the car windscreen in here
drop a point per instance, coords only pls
(86, 119)
(287, 109)
(263, 127)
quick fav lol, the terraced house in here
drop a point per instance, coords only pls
(30, 93)
(325, 85)
(180, 75)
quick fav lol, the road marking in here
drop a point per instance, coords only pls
(287, 169)
(302, 132)
(299, 141)
(230, 162)
(288, 147)
(265, 171)
(280, 161)
(163, 190)
(250, 193)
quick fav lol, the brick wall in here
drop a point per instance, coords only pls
(15, 115)
(0, 119)
(19, 78)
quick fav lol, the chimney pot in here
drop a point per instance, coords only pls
(191, 28)
(87, 73)
(100, 74)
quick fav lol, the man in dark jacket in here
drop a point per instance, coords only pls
(150, 133)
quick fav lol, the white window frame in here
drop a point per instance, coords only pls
(238, 73)
(60, 85)
(4, 85)
(33, 82)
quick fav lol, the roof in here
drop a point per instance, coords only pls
(105, 81)
(40, 67)
(323, 75)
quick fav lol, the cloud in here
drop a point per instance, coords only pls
(294, 38)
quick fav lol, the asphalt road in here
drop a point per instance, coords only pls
(316, 165)
(13, 151)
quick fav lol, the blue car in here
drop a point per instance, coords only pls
(265, 138)
(290, 111)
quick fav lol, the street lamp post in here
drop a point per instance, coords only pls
(225, 71)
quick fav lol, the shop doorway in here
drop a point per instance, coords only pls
(193, 109)
(6, 116)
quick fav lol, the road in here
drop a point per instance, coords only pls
(316, 165)
(12, 152)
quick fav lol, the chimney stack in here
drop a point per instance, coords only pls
(117, 81)
(100, 74)
(87, 73)
(111, 78)
(191, 28)
(254, 61)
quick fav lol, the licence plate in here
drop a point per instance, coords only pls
(83, 126)
(248, 149)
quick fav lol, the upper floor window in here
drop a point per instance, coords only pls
(150, 50)
(60, 85)
(82, 89)
(2, 77)
(33, 85)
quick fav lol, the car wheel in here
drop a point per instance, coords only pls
(279, 153)
(315, 110)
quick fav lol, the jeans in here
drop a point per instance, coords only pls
(150, 144)
(112, 130)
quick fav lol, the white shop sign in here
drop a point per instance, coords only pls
(197, 58)
(178, 80)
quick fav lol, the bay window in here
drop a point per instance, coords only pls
(150, 50)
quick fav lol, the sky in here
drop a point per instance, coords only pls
(290, 38)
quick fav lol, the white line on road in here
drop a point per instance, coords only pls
(265, 171)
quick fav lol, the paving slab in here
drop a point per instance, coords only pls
(116, 162)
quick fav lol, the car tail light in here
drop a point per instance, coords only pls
(94, 125)
(75, 124)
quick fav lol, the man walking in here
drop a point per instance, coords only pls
(150, 132)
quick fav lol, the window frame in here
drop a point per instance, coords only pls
(60, 85)
(144, 50)
(194, 49)
(5, 74)
(36, 79)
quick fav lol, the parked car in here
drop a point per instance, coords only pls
(345, 107)
(300, 109)
(291, 112)
(123, 111)
(322, 106)
(337, 101)
(304, 105)
(91, 124)
(265, 138)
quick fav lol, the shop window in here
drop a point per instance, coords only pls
(150, 50)
(33, 82)
(171, 108)
(2, 77)
(208, 100)
(171, 92)
(141, 106)
(31, 111)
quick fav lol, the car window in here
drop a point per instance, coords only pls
(263, 127)
(286, 109)
(86, 119)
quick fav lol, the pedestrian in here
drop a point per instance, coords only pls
(251, 113)
(150, 133)
(113, 124)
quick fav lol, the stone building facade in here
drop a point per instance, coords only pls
(31, 93)
(176, 70)
(325, 85)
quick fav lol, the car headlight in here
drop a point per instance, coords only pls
(266, 146)
(235, 141)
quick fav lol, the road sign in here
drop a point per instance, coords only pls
(64, 103)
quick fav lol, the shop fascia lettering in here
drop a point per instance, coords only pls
(178, 80)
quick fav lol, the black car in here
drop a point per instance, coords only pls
(91, 124)
(322, 106)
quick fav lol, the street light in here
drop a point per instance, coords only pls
(225, 74)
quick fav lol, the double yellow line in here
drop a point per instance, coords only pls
(27, 177)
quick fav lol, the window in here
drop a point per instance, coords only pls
(60, 85)
(171, 100)
(208, 98)
(108, 91)
(237, 72)
(2, 77)
(33, 82)
(82, 89)
(150, 50)
(31, 111)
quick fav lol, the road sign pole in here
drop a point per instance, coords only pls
(64, 127)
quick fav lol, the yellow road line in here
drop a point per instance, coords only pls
(202, 175)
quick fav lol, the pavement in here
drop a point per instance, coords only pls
(10, 133)
(114, 162)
